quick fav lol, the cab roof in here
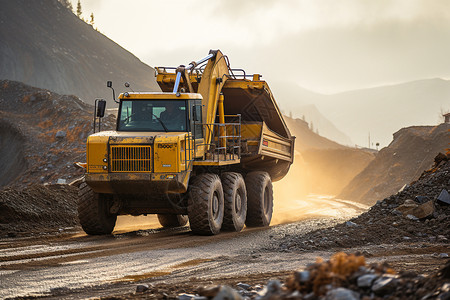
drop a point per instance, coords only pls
(159, 96)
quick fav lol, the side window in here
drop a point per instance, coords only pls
(197, 127)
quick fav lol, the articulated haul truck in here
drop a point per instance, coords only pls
(205, 150)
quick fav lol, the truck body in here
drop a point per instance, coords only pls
(206, 148)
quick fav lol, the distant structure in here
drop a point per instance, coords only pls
(446, 118)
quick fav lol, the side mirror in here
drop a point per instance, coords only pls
(101, 107)
(109, 84)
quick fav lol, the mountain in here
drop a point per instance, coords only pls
(300, 103)
(380, 111)
(44, 44)
(411, 152)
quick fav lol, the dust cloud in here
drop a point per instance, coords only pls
(296, 197)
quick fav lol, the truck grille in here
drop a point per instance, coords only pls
(131, 158)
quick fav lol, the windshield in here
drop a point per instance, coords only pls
(152, 115)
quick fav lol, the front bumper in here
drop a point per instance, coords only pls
(138, 183)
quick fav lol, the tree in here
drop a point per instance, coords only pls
(79, 11)
(92, 20)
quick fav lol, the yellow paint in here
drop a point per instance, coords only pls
(97, 151)
(223, 141)
(210, 89)
(160, 96)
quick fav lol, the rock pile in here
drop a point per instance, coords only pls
(42, 134)
(37, 209)
(418, 213)
(342, 277)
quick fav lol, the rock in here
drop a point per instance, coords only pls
(423, 211)
(421, 199)
(244, 286)
(61, 181)
(186, 296)
(445, 288)
(412, 217)
(341, 294)
(302, 276)
(444, 296)
(140, 288)
(402, 188)
(384, 285)
(444, 196)
(61, 134)
(396, 212)
(443, 255)
(226, 293)
(407, 207)
(273, 286)
(351, 224)
(365, 281)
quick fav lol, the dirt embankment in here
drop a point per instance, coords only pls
(411, 152)
(12, 156)
(41, 134)
(37, 209)
(413, 215)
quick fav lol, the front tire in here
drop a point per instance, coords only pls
(169, 221)
(93, 211)
(235, 201)
(205, 204)
(259, 199)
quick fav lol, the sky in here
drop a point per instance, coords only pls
(326, 46)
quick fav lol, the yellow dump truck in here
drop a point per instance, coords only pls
(205, 150)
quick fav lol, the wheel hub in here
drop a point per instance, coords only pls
(215, 205)
(237, 203)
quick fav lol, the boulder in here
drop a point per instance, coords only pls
(444, 196)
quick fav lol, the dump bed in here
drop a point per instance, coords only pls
(267, 144)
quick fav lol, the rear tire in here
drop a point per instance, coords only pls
(259, 199)
(235, 201)
(93, 211)
(205, 204)
(169, 221)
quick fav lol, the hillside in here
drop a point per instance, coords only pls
(41, 134)
(411, 152)
(321, 166)
(47, 46)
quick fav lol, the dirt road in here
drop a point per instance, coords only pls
(47, 265)
(74, 265)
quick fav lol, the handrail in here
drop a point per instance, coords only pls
(233, 148)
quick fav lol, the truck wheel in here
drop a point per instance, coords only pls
(259, 199)
(93, 211)
(205, 204)
(169, 221)
(235, 201)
